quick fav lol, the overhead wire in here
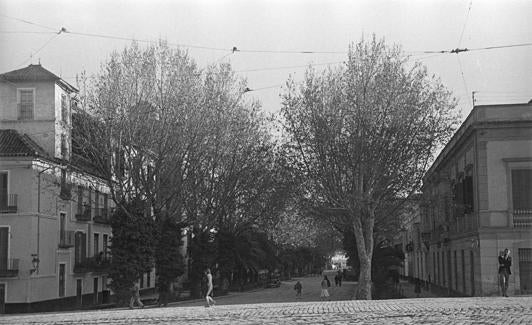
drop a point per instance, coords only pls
(28, 22)
(24, 32)
(234, 49)
(465, 23)
(472, 99)
(145, 41)
(40, 49)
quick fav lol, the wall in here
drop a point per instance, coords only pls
(42, 127)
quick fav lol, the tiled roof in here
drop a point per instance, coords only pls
(30, 73)
(13, 144)
(35, 72)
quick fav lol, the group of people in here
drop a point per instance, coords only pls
(325, 284)
(505, 262)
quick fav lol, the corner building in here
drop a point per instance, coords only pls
(55, 232)
(477, 201)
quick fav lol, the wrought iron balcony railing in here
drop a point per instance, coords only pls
(9, 267)
(522, 218)
(102, 215)
(9, 204)
(92, 264)
(85, 214)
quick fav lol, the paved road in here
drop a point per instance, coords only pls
(279, 306)
(286, 293)
(403, 311)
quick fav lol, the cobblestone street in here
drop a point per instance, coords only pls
(279, 306)
(516, 310)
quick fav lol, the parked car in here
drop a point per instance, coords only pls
(275, 281)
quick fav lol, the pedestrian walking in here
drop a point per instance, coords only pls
(298, 287)
(336, 280)
(505, 261)
(209, 294)
(325, 284)
(340, 274)
(417, 288)
(135, 297)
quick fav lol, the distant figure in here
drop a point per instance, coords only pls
(505, 261)
(135, 297)
(336, 280)
(395, 277)
(298, 287)
(340, 274)
(325, 284)
(417, 288)
(208, 295)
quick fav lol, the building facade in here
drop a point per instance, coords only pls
(55, 235)
(477, 201)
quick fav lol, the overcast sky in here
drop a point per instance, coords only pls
(498, 75)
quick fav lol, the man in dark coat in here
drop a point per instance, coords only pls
(505, 261)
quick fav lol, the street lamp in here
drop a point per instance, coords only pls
(35, 263)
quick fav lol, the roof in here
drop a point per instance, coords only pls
(492, 113)
(35, 72)
(13, 144)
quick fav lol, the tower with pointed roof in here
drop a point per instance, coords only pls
(38, 103)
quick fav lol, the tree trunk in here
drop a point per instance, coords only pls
(364, 279)
(364, 241)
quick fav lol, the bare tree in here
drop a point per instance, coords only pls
(140, 127)
(365, 134)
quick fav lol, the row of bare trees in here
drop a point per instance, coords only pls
(184, 142)
(357, 140)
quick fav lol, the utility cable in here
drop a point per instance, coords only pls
(145, 41)
(28, 22)
(463, 78)
(234, 49)
(23, 32)
(40, 49)
(465, 23)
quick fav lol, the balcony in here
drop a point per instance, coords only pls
(9, 268)
(85, 214)
(67, 239)
(92, 264)
(522, 219)
(9, 204)
(102, 215)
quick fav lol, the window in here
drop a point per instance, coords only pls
(3, 191)
(64, 149)
(25, 102)
(80, 251)
(62, 228)
(80, 200)
(64, 108)
(62, 271)
(96, 244)
(105, 245)
(97, 203)
(522, 190)
(468, 194)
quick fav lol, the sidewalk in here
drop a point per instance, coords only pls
(408, 291)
